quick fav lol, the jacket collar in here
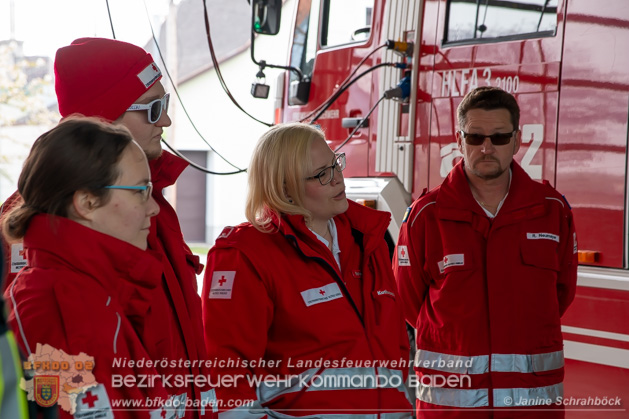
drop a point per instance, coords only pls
(372, 225)
(455, 200)
(166, 169)
(119, 267)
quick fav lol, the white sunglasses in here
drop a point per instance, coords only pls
(154, 108)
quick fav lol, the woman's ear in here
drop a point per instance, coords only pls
(83, 205)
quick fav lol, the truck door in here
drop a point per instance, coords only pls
(330, 38)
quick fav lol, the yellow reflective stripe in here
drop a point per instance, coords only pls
(509, 397)
(333, 379)
(453, 397)
(457, 364)
(527, 363)
(12, 397)
(480, 364)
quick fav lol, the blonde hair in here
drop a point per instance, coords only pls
(279, 166)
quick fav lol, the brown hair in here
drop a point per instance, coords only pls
(488, 98)
(78, 154)
(278, 169)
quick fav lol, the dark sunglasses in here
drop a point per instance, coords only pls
(500, 138)
(154, 108)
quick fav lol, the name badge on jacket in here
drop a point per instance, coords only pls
(322, 294)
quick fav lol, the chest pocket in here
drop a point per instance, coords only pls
(540, 249)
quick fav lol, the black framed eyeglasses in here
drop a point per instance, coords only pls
(326, 175)
(154, 108)
(500, 138)
(144, 190)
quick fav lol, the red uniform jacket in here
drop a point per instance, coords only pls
(276, 305)
(86, 292)
(173, 328)
(176, 317)
(486, 296)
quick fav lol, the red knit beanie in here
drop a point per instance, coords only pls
(102, 77)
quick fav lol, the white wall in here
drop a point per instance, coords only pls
(232, 133)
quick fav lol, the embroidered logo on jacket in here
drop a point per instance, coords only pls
(322, 294)
(451, 260)
(542, 236)
(385, 292)
(574, 239)
(226, 232)
(402, 256)
(167, 411)
(222, 284)
(18, 261)
(94, 403)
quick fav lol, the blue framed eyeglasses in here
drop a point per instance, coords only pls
(154, 108)
(144, 190)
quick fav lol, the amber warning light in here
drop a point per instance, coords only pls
(589, 256)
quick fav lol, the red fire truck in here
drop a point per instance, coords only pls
(566, 62)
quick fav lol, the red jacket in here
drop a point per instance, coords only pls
(178, 322)
(87, 292)
(279, 298)
(486, 296)
(173, 327)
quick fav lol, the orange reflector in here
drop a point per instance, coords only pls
(588, 256)
(371, 203)
(278, 116)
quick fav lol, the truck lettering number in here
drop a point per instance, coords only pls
(460, 82)
(508, 84)
(534, 134)
(487, 75)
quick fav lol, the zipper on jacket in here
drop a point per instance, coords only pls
(337, 278)
(344, 289)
